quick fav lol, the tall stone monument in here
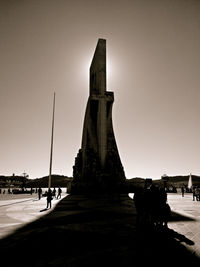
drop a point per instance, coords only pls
(98, 167)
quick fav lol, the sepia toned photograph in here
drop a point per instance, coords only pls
(99, 141)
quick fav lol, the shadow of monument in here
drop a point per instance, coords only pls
(179, 217)
(81, 231)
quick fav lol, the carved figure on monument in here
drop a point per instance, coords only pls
(98, 163)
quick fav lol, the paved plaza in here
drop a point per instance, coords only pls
(109, 226)
(189, 228)
(188, 223)
(18, 210)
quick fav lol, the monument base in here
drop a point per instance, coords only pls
(92, 178)
(92, 188)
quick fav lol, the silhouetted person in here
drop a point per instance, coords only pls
(139, 205)
(39, 193)
(54, 192)
(154, 202)
(49, 198)
(182, 191)
(59, 193)
(197, 194)
(164, 208)
(174, 189)
(193, 193)
(147, 206)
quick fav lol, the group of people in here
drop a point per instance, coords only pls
(195, 190)
(196, 193)
(151, 206)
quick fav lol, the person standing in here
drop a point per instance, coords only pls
(49, 198)
(193, 193)
(139, 205)
(165, 210)
(39, 193)
(182, 191)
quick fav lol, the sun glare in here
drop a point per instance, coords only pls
(84, 66)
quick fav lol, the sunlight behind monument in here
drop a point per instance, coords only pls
(98, 167)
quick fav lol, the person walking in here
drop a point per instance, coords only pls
(59, 193)
(49, 198)
(54, 192)
(39, 193)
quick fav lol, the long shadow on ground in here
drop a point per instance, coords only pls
(179, 217)
(93, 232)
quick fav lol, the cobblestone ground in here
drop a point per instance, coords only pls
(189, 228)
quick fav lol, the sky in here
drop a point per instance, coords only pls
(153, 61)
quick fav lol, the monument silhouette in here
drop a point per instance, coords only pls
(98, 167)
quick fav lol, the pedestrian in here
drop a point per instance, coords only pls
(147, 206)
(54, 192)
(193, 192)
(154, 201)
(49, 198)
(197, 194)
(39, 193)
(139, 205)
(182, 191)
(59, 193)
(165, 210)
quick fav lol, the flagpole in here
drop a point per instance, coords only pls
(52, 132)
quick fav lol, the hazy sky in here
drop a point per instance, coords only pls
(153, 57)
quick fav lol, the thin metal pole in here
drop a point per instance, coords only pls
(52, 132)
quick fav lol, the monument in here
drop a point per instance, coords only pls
(98, 167)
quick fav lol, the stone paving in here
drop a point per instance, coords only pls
(82, 231)
(18, 210)
(189, 228)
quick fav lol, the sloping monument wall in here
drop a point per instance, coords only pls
(98, 167)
